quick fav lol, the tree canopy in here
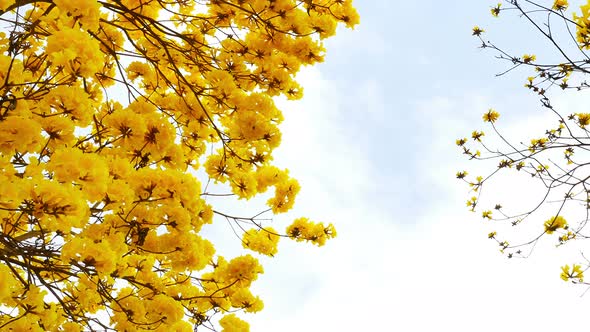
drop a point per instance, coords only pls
(108, 111)
(557, 158)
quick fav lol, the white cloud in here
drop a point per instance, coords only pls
(442, 274)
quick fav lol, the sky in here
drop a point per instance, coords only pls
(373, 145)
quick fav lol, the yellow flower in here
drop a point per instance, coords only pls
(528, 58)
(75, 51)
(477, 31)
(560, 4)
(86, 11)
(4, 4)
(583, 119)
(263, 241)
(304, 230)
(578, 273)
(538, 143)
(284, 198)
(243, 298)
(496, 10)
(487, 214)
(231, 323)
(476, 135)
(491, 116)
(575, 273)
(472, 203)
(554, 223)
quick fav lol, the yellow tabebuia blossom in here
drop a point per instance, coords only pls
(87, 12)
(116, 119)
(528, 58)
(583, 119)
(477, 135)
(496, 10)
(477, 31)
(560, 4)
(575, 273)
(317, 233)
(583, 26)
(491, 116)
(74, 51)
(264, 241)
(554, 223)
(231, 323)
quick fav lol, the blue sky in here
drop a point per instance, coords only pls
(372, 143)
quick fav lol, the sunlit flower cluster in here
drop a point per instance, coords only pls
(554, 223)
(317, 233)
(583, 26)
(560, 4)
(113, 123)
(575, 274)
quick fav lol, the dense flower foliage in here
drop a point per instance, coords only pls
(108, 109)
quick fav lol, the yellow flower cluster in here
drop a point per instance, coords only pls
(87, 12)
(560, 5)
(528, 58)
(538, 144)
(477, 31)
(111, 117)
(75, 52)
(491, 116)
(472, 203)
(496, 10)
(231, 323)
(554, 223)
(263, 241)
(317, 233)
(583, 26)
(583, 119)
(576, 273)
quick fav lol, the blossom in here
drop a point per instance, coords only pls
(496, 10)
(477, 31)
(86, 12)
(491, 116)
(569, 273)
(75, 51)
(560, 4)
(554, 223)
(231, 323)
(528, 58)
(263, 241)
(302, 229)
(583, 119)
(476, 135)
